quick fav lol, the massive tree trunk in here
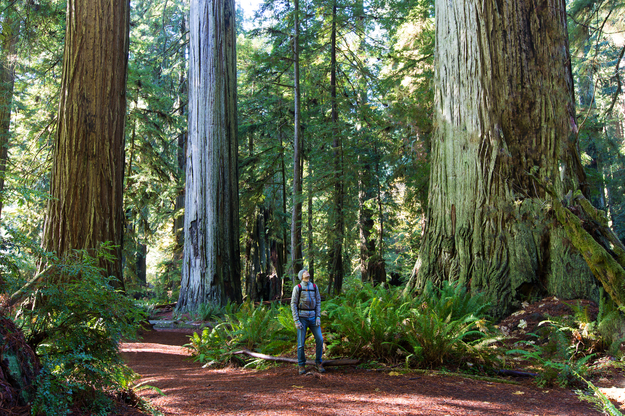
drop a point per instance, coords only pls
(296, 218)
(10, 31)
(211, 268)
(504, 108)
(86, 206)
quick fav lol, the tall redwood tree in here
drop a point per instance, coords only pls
(505, 115)
(211, 265)
(86, 206)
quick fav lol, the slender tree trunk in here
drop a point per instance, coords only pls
(211, 265)
(284, 193)
(296, 218)
(504, 109)
(336, 270)
(141, 263)
(372, 265)
(10, 33)
(311, 242)
(182, 164)
(86, 204)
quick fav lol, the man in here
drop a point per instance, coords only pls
(306, 308)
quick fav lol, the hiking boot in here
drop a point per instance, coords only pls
(320, 368)
(302, 370)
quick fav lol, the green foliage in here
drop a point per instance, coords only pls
(251, 326)
(453, 299)
(75, 322)
(611, 326)
(597, 398)
(263, 328)
(449, 325)
(367, 322)
(207, 312)
(212, 347)
(564, 346)
(559, 366)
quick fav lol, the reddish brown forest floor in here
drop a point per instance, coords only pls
(192, 390)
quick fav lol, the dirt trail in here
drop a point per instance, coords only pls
(194, 391)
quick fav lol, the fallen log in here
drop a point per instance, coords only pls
(326, 363)
(516, 373)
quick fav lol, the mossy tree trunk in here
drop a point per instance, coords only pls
(86, 204)
(504, 108)
(211, 266)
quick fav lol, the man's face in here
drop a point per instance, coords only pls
(305, 276)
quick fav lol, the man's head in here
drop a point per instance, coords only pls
(303, 275)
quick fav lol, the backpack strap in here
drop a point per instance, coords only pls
(299, 295)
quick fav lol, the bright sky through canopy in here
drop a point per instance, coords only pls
(249, 6)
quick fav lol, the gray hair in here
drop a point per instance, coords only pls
(301, 273)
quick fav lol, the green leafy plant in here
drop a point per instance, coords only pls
(610, 326)
(247, 326)
(556, 359)
(449, 324)
(252, 326)
(212, 347)
(367, 322)
(597, 398)
(207, 312)
(75, 323)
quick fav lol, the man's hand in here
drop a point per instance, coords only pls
(298, 325)
(318, 322)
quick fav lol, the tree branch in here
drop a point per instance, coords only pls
(21, 293)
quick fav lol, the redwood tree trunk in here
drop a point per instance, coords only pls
(211, 268)
(86, 206)
(504, 108)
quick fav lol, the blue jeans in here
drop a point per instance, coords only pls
(301, 338)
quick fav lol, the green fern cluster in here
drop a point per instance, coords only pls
(564, 346)
(449, 324)
(372, 323)
(426, 330)
(367, 322)
(266, 329)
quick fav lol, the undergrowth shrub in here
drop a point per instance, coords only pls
(449, 325)
(75, 322)
(564, 347)
(367, 322)
(556, 360)
(266, 329)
